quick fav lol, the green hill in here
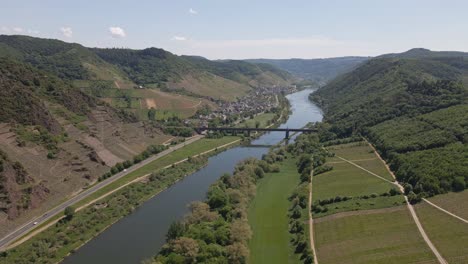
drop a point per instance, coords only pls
(70, 112)
(152, 67)
(318, 70)
(413, 107)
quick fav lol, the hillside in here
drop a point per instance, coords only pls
(69, 113)
(56, 140)
(318, 70)
(412, 107)
(219, 79)
(151, 67)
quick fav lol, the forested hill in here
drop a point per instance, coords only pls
(414, 107)
(150, 67)
(72, 112)
(318, 70)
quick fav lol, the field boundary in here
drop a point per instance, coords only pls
(409, 206)
(445, 211)
(311, 221)
(359, 212)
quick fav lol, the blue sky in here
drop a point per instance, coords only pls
(219, 29)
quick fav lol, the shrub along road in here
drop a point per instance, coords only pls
(26, 228)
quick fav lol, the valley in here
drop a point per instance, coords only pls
(119, 155)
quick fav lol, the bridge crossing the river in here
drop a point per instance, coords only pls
(249, 129)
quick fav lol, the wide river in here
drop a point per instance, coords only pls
(141, 234)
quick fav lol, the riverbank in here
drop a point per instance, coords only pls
(142, 233)
(74, 241)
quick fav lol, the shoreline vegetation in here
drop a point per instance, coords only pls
(65, 236)
(41, 247)
(219, 230)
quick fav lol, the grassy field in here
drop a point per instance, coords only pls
(455, 203)
(369, 227)
(449, 235)
(363, 155)
(347, 180)
(264, 120)
(363, 190)
(384, 237)
(268, 217)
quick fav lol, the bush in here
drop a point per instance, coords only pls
(459, 184)
(322, 169)
(414, 198)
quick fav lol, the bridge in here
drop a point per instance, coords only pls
(249, 129)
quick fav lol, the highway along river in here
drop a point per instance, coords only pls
(141, 234)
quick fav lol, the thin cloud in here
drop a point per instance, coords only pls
(117, 32)
(67, 32)
(33, 31)
(308, 47)
(193, 11)
(179, 38)
(18, 30)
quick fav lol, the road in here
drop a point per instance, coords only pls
(26, 228)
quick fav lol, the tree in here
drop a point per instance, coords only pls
(237, 253)
(257, 124)
(240, 231)
(186, 247)
(176, 230)
(152, 114)
(69, 212)
(459, 184)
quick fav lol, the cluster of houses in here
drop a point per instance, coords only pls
(260, 100)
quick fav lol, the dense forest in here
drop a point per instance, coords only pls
(413, 107)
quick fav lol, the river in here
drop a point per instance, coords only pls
(141, 234)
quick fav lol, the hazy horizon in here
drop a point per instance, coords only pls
(246, 30)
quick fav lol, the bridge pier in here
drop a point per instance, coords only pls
(287, 134)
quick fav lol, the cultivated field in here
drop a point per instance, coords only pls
(166, 104)
(268, 217)
(449, 235)
(347, 180)
(363, 155)
(213, 86)
(383, 236)
(456, 203)
(371, 227)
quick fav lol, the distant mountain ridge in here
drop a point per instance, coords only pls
(151, 66)
(318, 70)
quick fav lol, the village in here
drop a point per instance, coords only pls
(261, 100)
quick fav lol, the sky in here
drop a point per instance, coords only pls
(241, 29)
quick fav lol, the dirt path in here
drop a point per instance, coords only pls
(336, 162)
(424, 235)
(311, 221)
(370, 172)
(445, 211)
(409, 206)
